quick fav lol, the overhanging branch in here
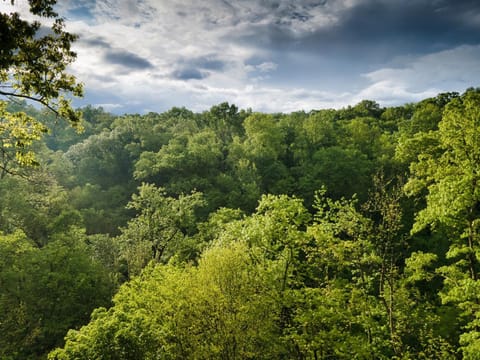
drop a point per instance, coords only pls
(28, 97)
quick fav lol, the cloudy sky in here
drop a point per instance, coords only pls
(271, 55)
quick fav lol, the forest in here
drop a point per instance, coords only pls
(230, 234)
(347, 233)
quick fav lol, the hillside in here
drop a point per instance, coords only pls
(230, 234)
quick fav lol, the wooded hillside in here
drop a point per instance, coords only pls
(231, 234)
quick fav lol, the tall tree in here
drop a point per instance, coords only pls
(451, 177)
(160, 228)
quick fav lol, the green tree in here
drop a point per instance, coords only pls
(338, 313)
(38, 206)
(385, 208)
(18, 131)
(223, 309)
(61, 136)
(451, 177)
(233, 305)
(33, 65)
(161, 229)
(343, 171)
(265, 147)
(46, 291)
(226, 121)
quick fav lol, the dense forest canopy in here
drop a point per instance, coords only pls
(231, 234)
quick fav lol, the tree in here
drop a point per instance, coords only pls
(233, 305)
(385, 208)
(226, 121)
(46, 291)
(451, 177)
(18, 131)
(338, 315)
(223, 309)
(160, 228)
(265, 146)
(38, 206)
(33, 65)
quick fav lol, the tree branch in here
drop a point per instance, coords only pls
(28, 97)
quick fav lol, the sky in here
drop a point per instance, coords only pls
(137, 56)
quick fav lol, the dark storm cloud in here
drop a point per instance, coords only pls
(297, 11)
(118, 56)
(189, 74)
(97, 41)
(393, 27)
(197, 68)
(431, 25)
(127, 60)
(105, 79)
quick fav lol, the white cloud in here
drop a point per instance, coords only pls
(109, 106)
(20, 6)
(267, 66)
(449, 70)
(174, 35)
(169, 33)
(422, 77)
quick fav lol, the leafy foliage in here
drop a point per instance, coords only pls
(240, 235)
(161, 227)
(46, 291)
(33, 64)
(451, 176)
